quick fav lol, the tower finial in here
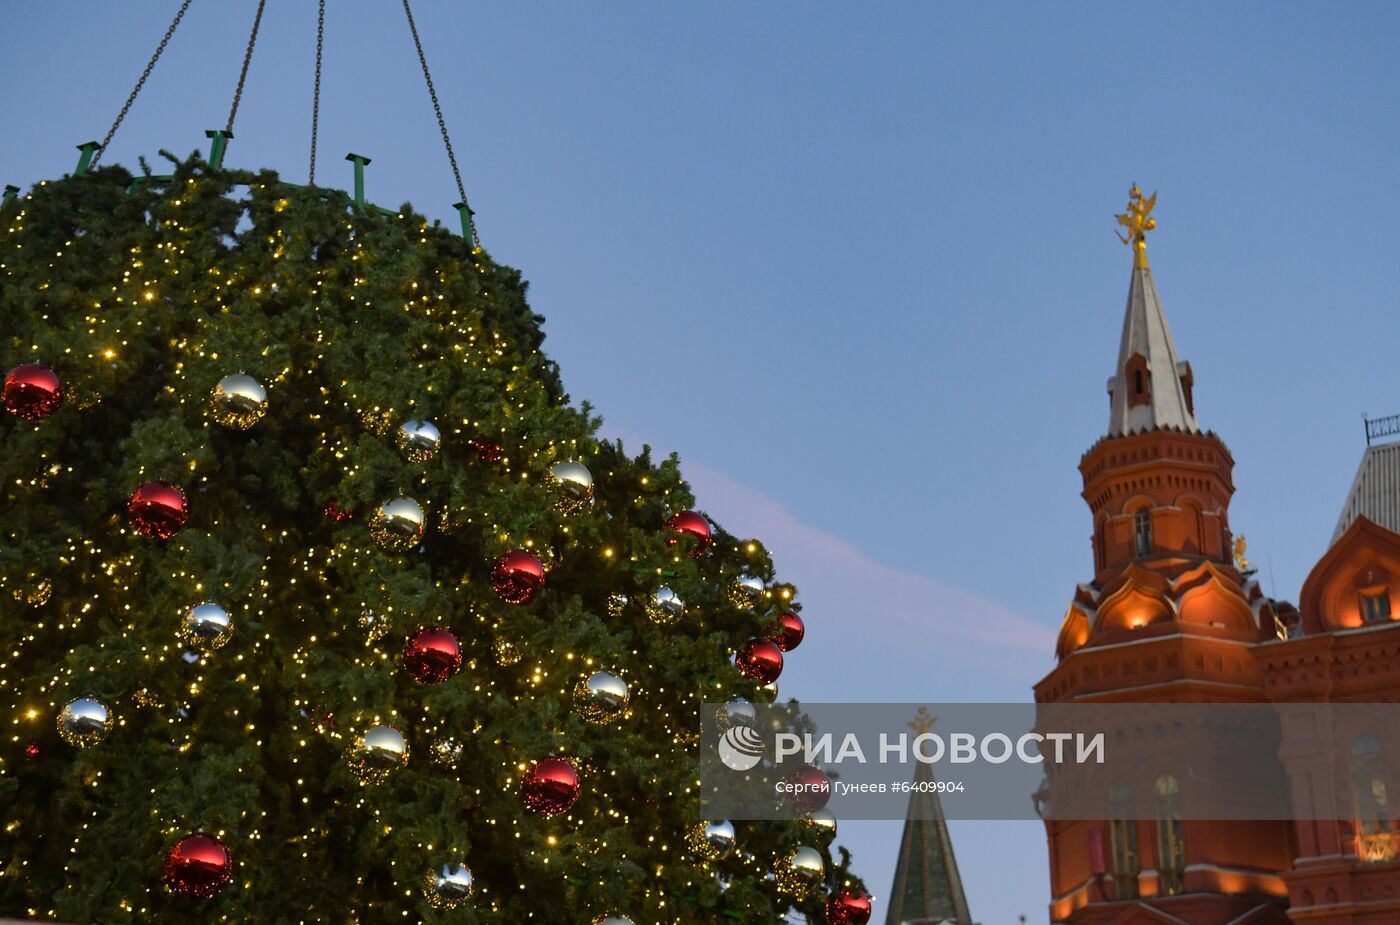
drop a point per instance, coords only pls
(1139, 222)
(923, 721)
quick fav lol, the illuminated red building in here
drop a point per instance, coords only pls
(1171, 616)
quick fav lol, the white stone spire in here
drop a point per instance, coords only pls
(1151, 387)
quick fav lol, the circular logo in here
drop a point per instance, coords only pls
(740, 748)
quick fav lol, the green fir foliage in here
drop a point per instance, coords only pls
(141, 297)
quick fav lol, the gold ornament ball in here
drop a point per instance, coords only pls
(397, 525)
(572, 485)
(800, 872)
(84, 722)
(506, 652)
(375, 626)
(238, 402)
(665, 606)
(448, 886)
(617, 605)
(419, 440)
(34, 591)
(711, 841)
(377, 754)
(206, 627)
(447, 752)
(601, 698)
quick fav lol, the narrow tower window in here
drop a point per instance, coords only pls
(1372, 806)
(1124, 835)
(1171, 840)
(1142, 532)
(1135, 374)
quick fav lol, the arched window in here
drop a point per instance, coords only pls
(1142, 532)
(1124, 834)
(1171, 842)
(1137, 382)
(1375, 604)
(1369, 794)
(1100, 554)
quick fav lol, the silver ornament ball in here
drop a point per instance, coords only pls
(601, 697)
(448, 886)
(750, 591)
(737, 712)
(238, 402)
(419, 440)
(398, 524)
(800, 872)
(713, 841)
(379, 752)
(84, 722)
(665, 606)
(572, 484)
(206, 627)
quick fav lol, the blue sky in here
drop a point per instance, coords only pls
(856, 264)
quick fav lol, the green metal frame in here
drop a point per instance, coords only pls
(360, 161)
(89, 150)
(218, 147)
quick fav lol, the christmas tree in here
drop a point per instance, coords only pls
(321, 602)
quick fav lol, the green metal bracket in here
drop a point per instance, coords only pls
(89, 149)
(465, 211)
(136, 182)
(359, 161)
(11, 191)
(220, 141)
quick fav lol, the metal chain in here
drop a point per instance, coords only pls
(243, 74)
(150, 65)
(442, 124)
(316, 93)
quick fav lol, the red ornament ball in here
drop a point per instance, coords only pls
(808, 789)
(787, 631)
(158, 510)
(848, 908)
(491, 452)
(550, 787)
(432, 655)
(689, 523)
(33, 392)
(760, 660)
(198, 865)
(335, 512)
(518, 576)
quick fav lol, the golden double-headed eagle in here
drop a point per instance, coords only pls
(1139, 221)
(923, 721)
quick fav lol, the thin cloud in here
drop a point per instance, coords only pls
(818, 561)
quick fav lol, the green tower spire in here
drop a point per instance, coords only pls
(927, 889)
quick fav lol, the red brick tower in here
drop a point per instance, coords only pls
(1168, 617)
